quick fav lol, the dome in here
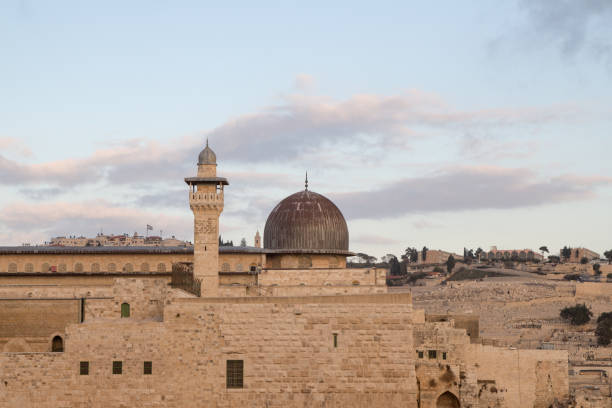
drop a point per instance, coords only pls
(207, 156)
(306, 221)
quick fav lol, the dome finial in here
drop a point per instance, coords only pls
(306, 182)
(206, 142)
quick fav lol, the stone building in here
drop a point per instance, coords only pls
(284, 325)
(577, 254)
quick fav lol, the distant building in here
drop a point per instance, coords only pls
(436, 256)
(495, 254)
(579, 253)
(117, 240)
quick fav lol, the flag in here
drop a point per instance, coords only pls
(149, 227)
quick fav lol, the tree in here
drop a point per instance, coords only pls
(577, 315)
(597, 269)
(424, 253)
(412, 254)
(609, 276)
(243, 242)
(543, 249)
(450, 264)
(604, 329)
(584, 260)
(394, 267)
(387, 258)
(479, 253)
(554, 259)
(608, 255)
(566, 253)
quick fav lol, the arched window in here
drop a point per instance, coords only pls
(112, 267)
(239, 267)
(225, 267)
(61, 268)
(304, 261)
(29, 268)
(57, 344)
(44, 267)
(144, 267)
(125, 310)
(95, 267)
(128, 267)
(161, 267)
(78, 267)
(12, 268)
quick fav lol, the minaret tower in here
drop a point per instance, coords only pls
(257, 241)
(206, 202)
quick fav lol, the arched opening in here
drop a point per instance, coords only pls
(95, 267)
(125, 310)
(57, 344)
(78, 267)
(12, 268)
(128, 267)
(447, 400)
(161, 267)
(144, 267)
(225, 267)
(111, 267)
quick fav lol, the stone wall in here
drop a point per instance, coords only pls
(287, 345)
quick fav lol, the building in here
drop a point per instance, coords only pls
(116, 240)
(436, 257)
(527, 254)
(577, 254)
(280, 326)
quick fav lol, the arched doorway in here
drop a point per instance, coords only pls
(447, 400)
(57, 344)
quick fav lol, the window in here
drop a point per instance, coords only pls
(147, 368)
(420, 354)
(29, 268)
(432, 354)
(57, 344)
(84, 368)
(12, 268)
(239, 267)
(444, 355)
(253, 268)
(161, 267)
(225, 267)
(125, 310)
(95, 267)
(128, 268)
(144, 267)
(78, 267)
(335, 340)
(112, 267)
(235, 373)
(61, 268)
(117, 367)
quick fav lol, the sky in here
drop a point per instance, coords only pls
(442, 124)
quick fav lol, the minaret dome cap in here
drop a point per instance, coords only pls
(207, 156)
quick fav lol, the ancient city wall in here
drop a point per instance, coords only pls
(287, 345)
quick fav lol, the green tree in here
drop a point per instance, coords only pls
(424, 253)
(608, 255)
(609, 276)
(584, 260)
(543, 249)
(566, 253)
(604, 329)
(243, 242)
(577, 315)
(597, 269)
(450, 264)
(479, 253)
(394, 267)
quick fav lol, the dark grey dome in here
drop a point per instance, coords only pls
(207, 156)
(306, 221)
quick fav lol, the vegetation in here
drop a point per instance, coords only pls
(243, 242)
(554, 259)
(584, 260)
(609, 276)
(437, 269)
(367, 259)
(413, 277)
(450, 264)
(473, 274)
(608, 255)
(604, 329)
(394, 267)
(225, 243)
(543, 249)
(577, 315)
(424, 253)
(597, 269)
(571, 277)
(566, 253)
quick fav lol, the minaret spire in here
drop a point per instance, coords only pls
(306, 182)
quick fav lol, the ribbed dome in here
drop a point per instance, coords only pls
(207, 156)
(304, 221)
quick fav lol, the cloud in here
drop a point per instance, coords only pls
(466, 188)
(61, 218)
(41, 193)
(371, 239)
(301, 129)
(14, 145)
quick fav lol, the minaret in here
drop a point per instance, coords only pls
(206, 202)
(257, 240)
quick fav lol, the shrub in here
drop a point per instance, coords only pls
(438, 269)
(584, 260)
(609, 276)
(571, 277)
(577, 315)
(604, 329)
(597, 269)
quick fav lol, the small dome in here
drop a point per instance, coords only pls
(306, 221)
(207, 156)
